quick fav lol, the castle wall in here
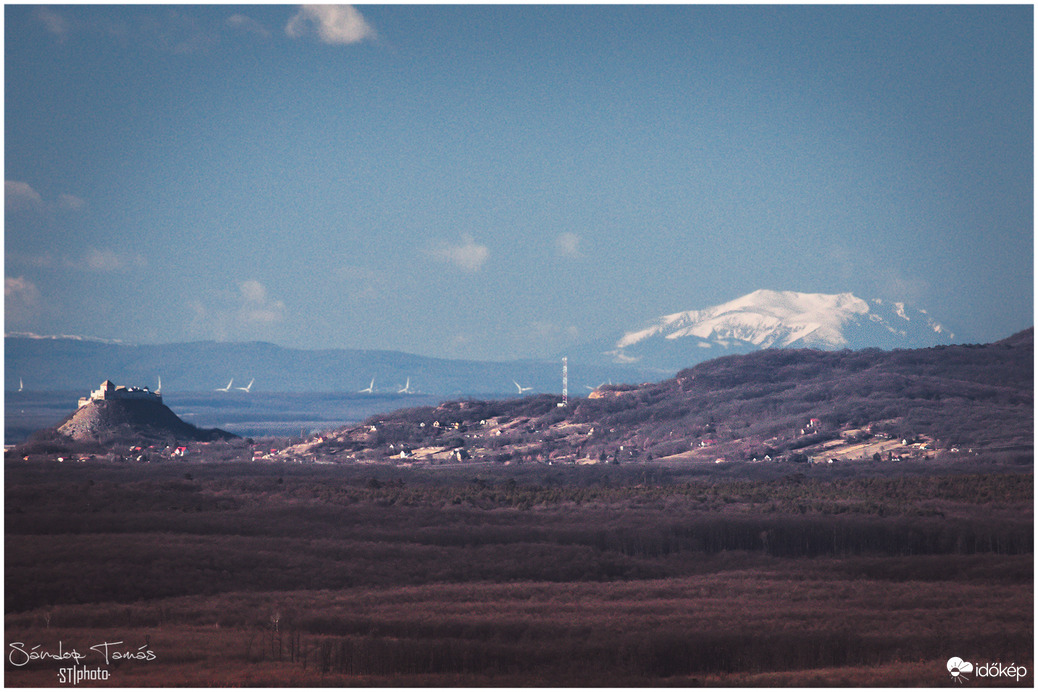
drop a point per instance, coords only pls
(109, 392)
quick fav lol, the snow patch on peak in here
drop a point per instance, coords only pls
(783, 319)
(62, 337)
(763, 318)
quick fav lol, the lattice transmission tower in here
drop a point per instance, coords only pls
(565, 380)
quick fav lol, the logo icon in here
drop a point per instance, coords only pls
(958, 668)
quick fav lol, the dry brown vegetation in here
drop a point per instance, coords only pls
(275, 575)
(778, 619)
(745, 407)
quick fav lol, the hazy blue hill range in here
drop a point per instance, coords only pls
(741, 405)
(294, 390)
(70, 364)
(760, 320)
(302, 390)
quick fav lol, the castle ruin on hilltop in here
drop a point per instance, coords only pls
(110, 392)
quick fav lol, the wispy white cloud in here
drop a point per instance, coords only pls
(334, 24)
(461, 340)
(887, 278)
(19, 286)
(256, 306)
(246, 312)
(539, 338)
(19, 196)
(549, 331)
(206, 322)
(469, 255)
(55, 23)
(568, 244)
(178, 32)
(363, 283)
(21, 301)
(96, 260)
(170, 29)
(40, 260)
(67, 202)
(903, 286)
(111, 261)
(248, 25)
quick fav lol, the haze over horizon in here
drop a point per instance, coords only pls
(496, 182)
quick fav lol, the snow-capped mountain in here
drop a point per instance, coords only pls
(57, 337)
(778, 319)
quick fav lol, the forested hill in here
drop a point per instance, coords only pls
(946, 398)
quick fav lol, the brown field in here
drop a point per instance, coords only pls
(329, 576)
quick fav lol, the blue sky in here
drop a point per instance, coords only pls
(504, 182)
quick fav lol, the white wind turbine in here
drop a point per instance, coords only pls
(370, 388)
(225, 389)
(520, 387)
(246, 389)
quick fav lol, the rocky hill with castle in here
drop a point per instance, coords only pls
(130, 414)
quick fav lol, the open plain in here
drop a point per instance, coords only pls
(639, 574)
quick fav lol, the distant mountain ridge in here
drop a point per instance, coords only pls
(76, 363)
(777, 319)
(760, 320)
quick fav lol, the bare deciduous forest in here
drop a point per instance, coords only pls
(637, 574)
